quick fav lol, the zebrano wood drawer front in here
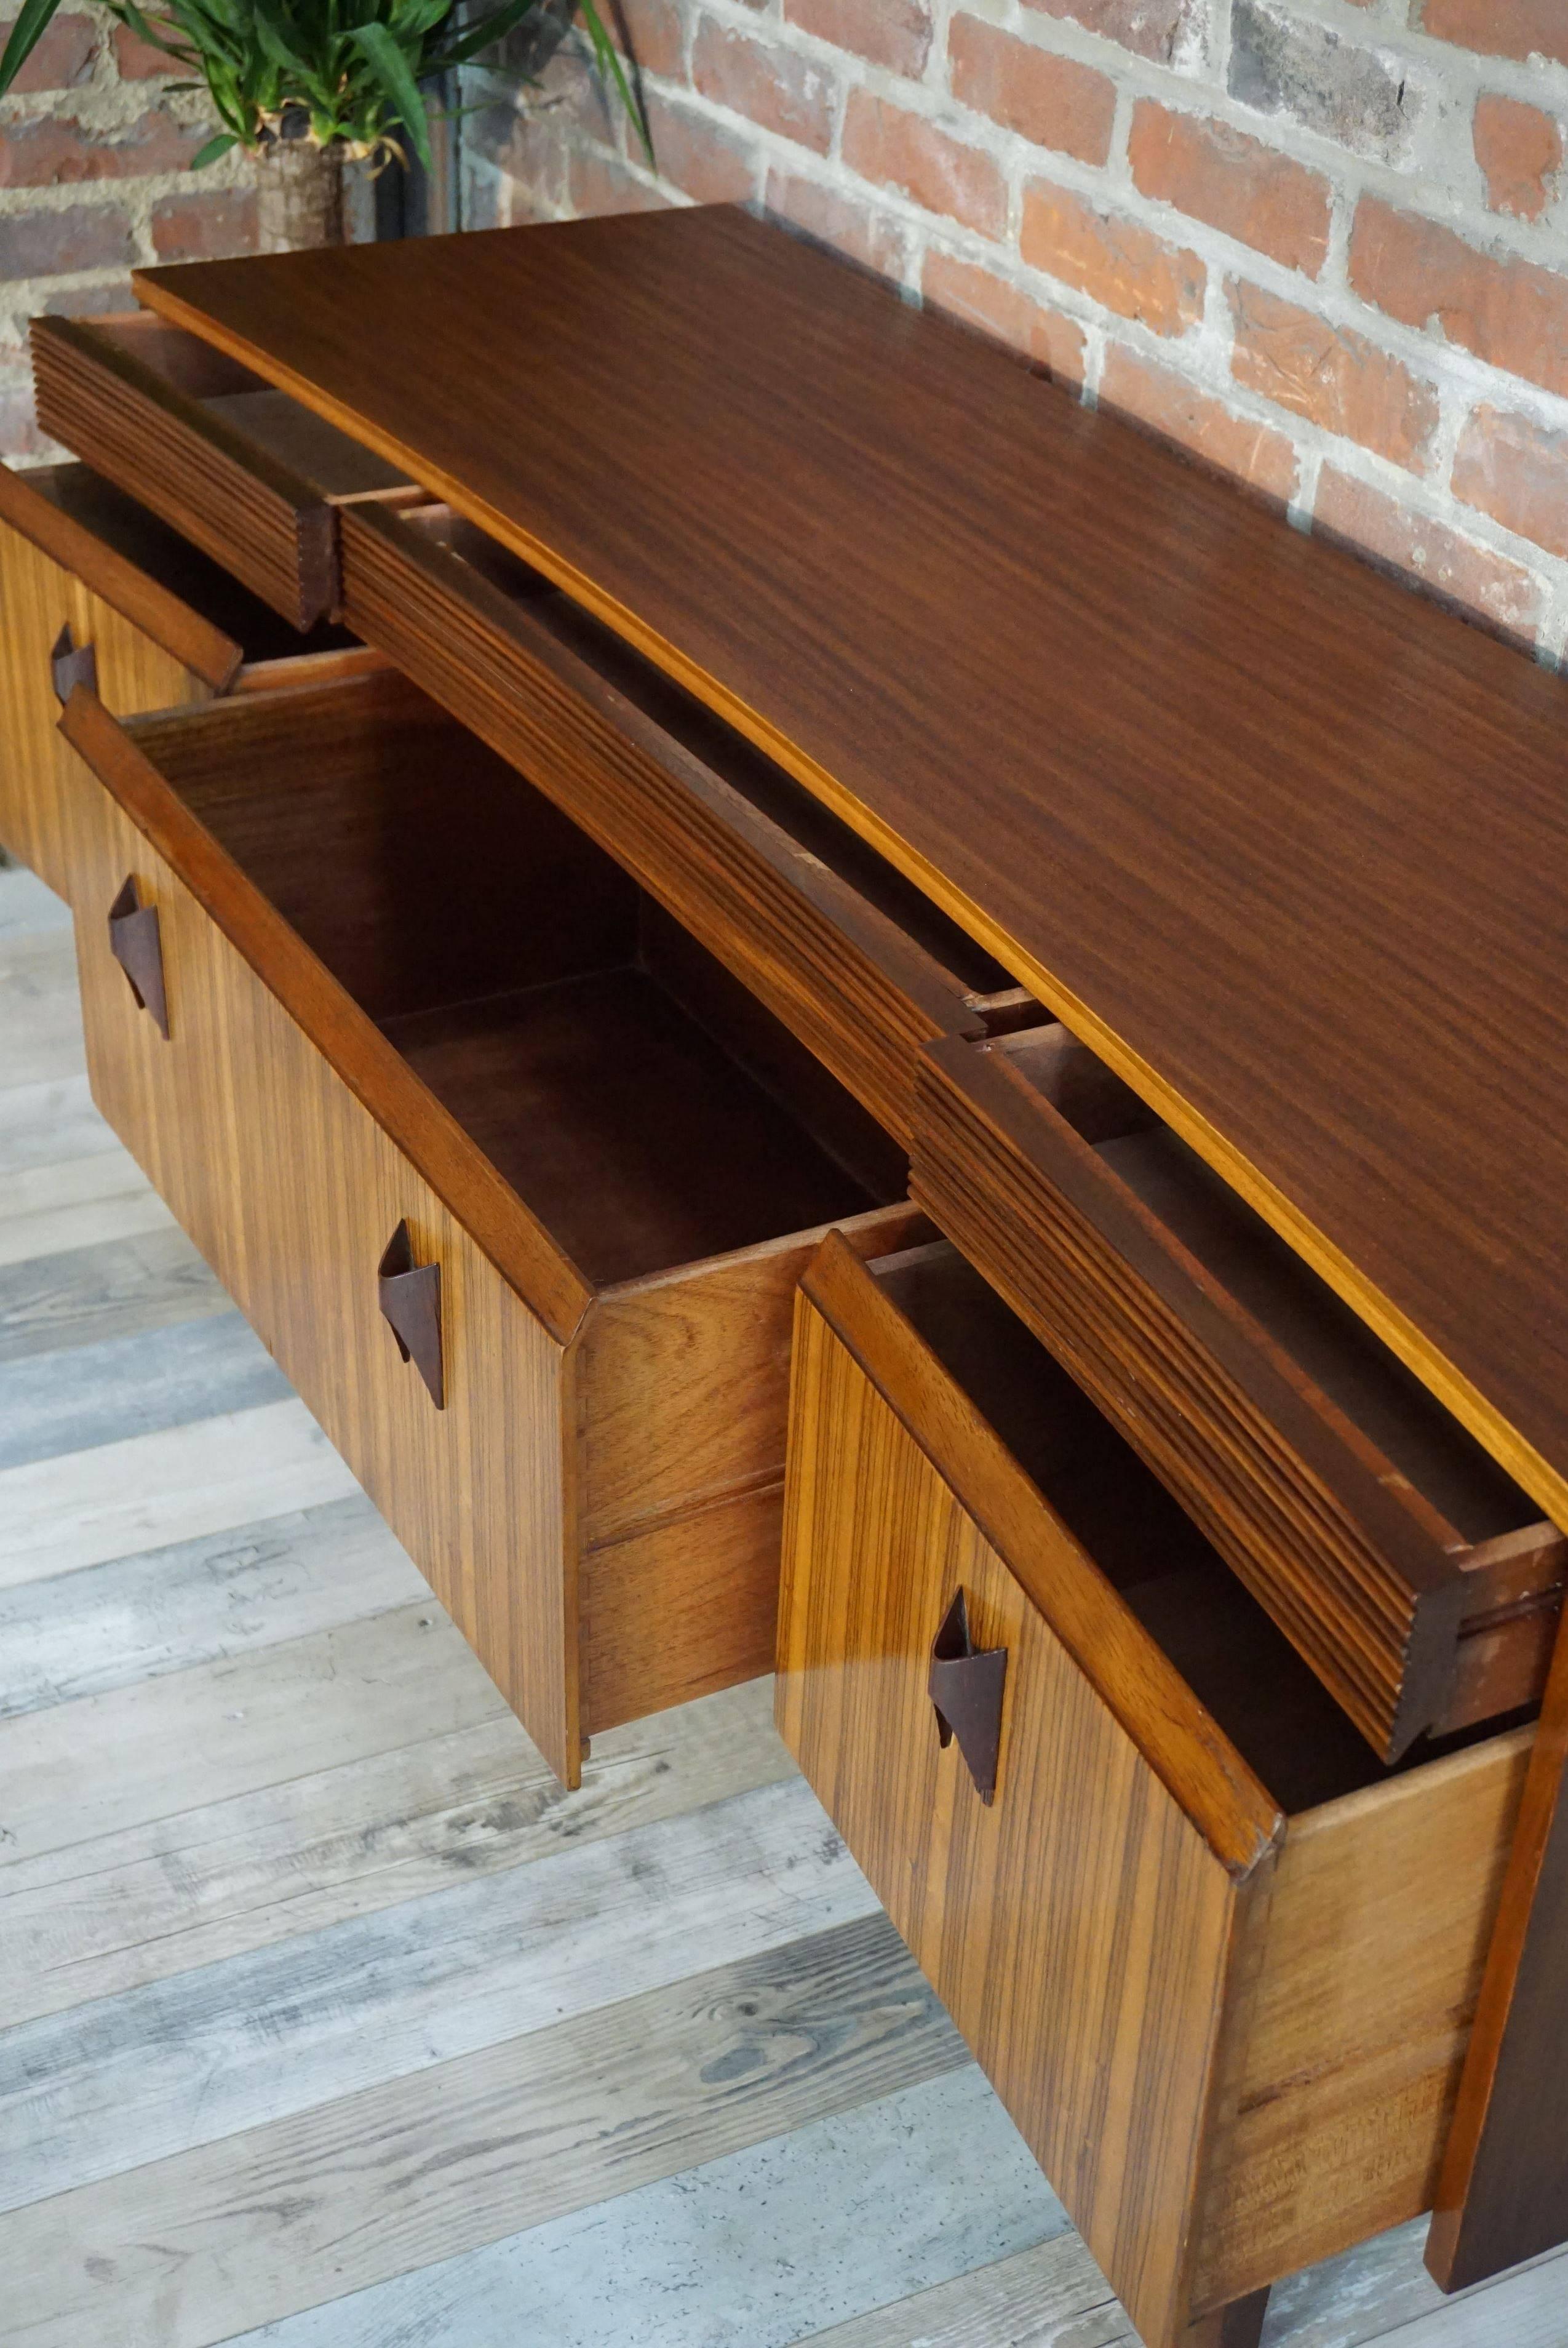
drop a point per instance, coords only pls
(91, 585)
(854, 961)
(238, 467)
(1417, 1579)
(513, 1186)
(1219, 1961)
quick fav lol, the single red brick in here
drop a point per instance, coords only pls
(774, 88)
(1128, 268)
(1053, 101)
(657, 35)
(1151, 28)
(63, 58)
(600, 183)
(1520, 150)
(898, 150)
(1517, 471)
(57, 244)
(892, 33)
(1234, 182)
(213, 225)
(982, 299)
(1448, 565)
(1500, 28)
(1195, 420)
(715, 166)
(56, 151)
(1512, 313)
(849, 227)
(1332, 376)
(138, 60)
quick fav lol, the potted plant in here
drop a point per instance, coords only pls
(305, 85)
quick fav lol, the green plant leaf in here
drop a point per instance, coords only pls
(218, 144)
(25, 33)
(390, 67)
(270, 34)
(493, 26)
(607, 57)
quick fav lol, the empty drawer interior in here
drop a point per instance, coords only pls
(1471, 1507)
(270, 419)
(1270, 1705)
(644, 1108)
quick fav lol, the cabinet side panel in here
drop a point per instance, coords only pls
(1079, 1930)
(1375, 1942)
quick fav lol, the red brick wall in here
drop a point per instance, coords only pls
(94, 179)
(1322, 243)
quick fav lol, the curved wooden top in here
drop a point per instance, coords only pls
(1286, 844)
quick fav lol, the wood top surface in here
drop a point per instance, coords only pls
(1283, 841)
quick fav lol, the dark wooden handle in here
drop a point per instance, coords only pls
(966, 1689)
(71, 665)
(411, 1305)
(137, 945)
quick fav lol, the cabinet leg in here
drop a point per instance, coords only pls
(1239, 2325)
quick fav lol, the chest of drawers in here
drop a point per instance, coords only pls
(723, 1009)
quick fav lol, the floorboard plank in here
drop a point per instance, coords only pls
(125, 1214)
(116, 1762)
(151, 1490)
(844, 2213)
(82, 1396)
(239, 2045)
(187, 2252)
(27, 905)
(75, 1181)
(141, 1904)
(229, 1594)
(119, 1288)
(1051, 2296)
(1380, 2287)
(40, 1010)
(43, 1125)
(1528, 2309)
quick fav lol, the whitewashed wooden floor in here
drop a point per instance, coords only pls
(328, 2021)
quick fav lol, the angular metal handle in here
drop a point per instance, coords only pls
(965, 1690)
(137, 946)
(71, 665)
(411, 1306)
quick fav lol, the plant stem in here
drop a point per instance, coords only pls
(299, 187)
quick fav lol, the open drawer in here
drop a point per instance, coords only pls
(854, 961)
(237, 466)
(514, 1180)
(1219, 1961)
(94, 586)
(1404, 1564)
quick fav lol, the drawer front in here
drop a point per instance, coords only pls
(165, 1096)
(857, 991)
(1079, 1927)
(293, 1188)
(266, 523)
(1297, 1510)
(41, 595)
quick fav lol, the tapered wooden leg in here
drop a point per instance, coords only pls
(1239, 2325)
